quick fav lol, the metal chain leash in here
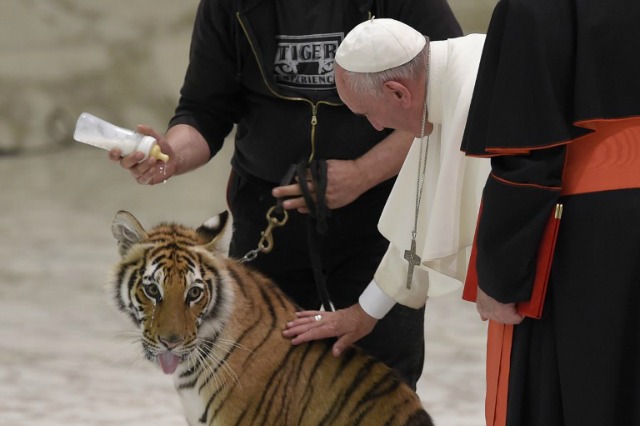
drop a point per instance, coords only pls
(265, 245)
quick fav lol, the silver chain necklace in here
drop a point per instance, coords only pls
(410, 255)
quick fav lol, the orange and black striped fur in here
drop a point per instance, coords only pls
(215, 325)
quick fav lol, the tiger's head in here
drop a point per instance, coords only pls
(170, 282)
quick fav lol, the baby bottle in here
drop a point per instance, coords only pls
(102, 134)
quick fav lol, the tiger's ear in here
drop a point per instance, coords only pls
(127, 230)
(216, 232)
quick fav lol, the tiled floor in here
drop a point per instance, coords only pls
(66, 358)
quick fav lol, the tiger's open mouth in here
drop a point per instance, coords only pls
(168, 362)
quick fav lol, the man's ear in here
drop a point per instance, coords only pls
(398, 93)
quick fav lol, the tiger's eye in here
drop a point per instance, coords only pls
(152, 292)
(194, 293)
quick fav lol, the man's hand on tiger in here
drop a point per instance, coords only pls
(348, 325)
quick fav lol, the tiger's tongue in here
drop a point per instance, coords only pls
(168, 362)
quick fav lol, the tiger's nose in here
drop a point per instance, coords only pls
(170, 341)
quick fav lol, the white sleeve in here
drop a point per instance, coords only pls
(375, 302)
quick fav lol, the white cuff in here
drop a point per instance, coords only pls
(375, 302)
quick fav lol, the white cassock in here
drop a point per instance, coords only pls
(452, 187)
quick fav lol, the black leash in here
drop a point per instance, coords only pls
(317, 209)
(317, 221)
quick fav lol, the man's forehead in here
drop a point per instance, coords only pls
(353, 102)
(341, 84)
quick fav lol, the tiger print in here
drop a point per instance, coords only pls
(215, 325)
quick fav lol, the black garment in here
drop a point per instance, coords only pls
(519, 195)
(547, 67)
(231, 80)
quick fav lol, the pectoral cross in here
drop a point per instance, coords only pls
(413, 259)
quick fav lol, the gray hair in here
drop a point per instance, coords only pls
(363, 83)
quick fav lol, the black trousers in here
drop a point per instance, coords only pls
(350, 253)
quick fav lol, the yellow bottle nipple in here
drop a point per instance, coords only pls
(157, 153)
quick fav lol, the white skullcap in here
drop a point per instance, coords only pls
(379, 44)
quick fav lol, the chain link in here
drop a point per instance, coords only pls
(265, 245)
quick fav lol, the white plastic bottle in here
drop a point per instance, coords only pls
(102, 134)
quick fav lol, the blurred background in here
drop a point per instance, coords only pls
(66, 358)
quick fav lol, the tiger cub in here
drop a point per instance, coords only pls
(215, 325)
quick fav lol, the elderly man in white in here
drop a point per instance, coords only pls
(392, 75)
